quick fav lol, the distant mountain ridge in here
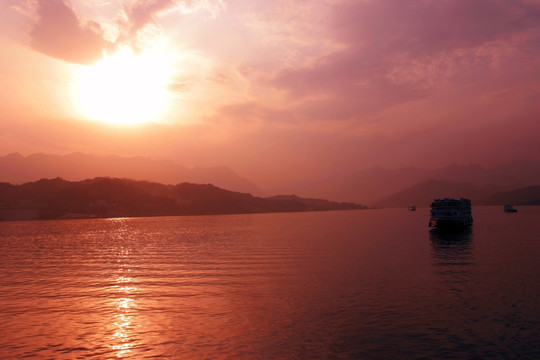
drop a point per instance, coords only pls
(374, 185)
(113, 197)
(529, 195)
(423, 194)
(17, 169)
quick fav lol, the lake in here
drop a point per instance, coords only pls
(364, 284)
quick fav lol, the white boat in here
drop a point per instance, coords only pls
(412, 207)
(450, 213)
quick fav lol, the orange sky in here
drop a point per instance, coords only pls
(277, 90)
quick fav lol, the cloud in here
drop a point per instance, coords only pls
(144, 12)
(59, 33)
(427, 26)
(398, 51)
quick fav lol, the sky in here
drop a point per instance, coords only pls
(280, 91)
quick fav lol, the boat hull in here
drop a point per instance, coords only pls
(450, 223)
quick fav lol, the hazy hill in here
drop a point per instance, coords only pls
(423, 194)
(369, 186)
(15, 168)
(112, 197)
(373, 185)
(529, 195)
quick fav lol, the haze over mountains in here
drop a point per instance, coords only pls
(374, 186)
(17, 169)
(423, 194)
(378, 186)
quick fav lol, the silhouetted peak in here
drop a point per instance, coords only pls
(50, 181)
(284, 197)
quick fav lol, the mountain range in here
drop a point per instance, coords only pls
(17, 169)
(378, 186)
(375, 186)
(422, 194)
(113, 197)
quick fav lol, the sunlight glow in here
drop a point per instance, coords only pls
(124, 88)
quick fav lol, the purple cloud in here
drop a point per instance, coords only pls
(398, 51)
(429, 26)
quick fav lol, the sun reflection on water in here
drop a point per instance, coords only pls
(124, 314)
(123, 300)
(122, 343)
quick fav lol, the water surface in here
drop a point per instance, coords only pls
(366, 284)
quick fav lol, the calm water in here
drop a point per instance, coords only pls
(369, 284)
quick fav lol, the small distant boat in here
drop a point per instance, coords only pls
(509, 209)
(412, 208)
(450, 213)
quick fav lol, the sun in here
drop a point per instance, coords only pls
(124, 88)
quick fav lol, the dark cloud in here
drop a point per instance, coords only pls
(60, 34)
(427, 26)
